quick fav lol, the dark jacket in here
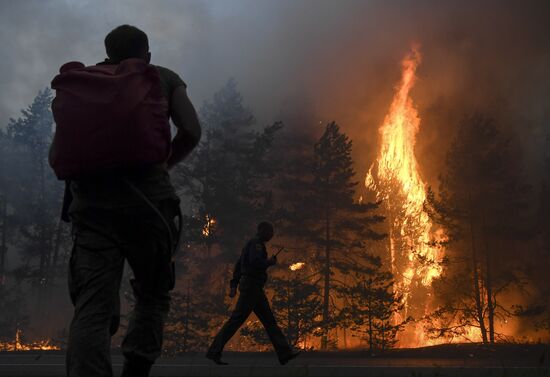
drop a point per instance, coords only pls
(252, 263)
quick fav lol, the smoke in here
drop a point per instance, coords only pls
(310, 59)
(308, 62)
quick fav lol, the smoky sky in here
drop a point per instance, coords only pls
(311, 62)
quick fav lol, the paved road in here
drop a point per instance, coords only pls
(307, 365)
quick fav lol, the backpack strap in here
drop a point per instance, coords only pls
(174, 240)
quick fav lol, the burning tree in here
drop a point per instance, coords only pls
(396, 180)
(324, 217)
(483, 205)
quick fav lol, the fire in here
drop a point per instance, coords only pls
(297, 266)
(17, 345)
(396, 179)
(207, 228)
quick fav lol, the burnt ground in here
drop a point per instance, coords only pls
(444, 360)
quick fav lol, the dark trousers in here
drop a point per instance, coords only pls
(103, 240)
(251, 299)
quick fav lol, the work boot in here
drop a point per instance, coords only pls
(216, 357)
(136, 368)
(289, 356)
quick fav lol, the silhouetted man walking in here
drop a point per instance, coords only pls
(113, 146)
(250, 275)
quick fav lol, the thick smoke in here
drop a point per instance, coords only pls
(317, 60)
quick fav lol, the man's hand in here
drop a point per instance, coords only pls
(232, 292)
(272, 261)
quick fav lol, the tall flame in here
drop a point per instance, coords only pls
(397, 182)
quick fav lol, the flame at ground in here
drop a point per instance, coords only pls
(297, 266)
(396, 180)
(18, 345)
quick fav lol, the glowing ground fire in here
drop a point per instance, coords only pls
(18, 345)
(396, 180)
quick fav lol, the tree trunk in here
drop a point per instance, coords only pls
(326, 296)
(371, 335)
(489, 286)
(477, 290)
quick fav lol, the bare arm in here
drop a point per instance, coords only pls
(185, 119)
(52, 153)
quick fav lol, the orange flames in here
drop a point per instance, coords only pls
(207, 228)
(18, 345)
(396, 180)
(297, 266)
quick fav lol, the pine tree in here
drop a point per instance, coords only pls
(296, 304)
(187, 328)
(536, 309)
(39, 192)
(228, 176)
(482, 186)
(373, 306)
(228, 182)
(31, 213)
(323, 215)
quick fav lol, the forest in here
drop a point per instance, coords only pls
(344, 278)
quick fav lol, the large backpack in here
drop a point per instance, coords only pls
(108, 117)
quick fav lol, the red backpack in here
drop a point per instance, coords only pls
(108, 117)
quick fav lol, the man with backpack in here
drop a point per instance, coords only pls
(113, 148)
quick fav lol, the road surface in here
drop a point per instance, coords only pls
(306, 365)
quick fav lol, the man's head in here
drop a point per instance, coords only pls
(265, 231)
(124, 42)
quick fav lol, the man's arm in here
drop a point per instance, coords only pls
(52, 152)
(185, 119)
(234, 283)
(256, 257)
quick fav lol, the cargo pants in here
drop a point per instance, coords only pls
(103, 240)
(252, 298)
